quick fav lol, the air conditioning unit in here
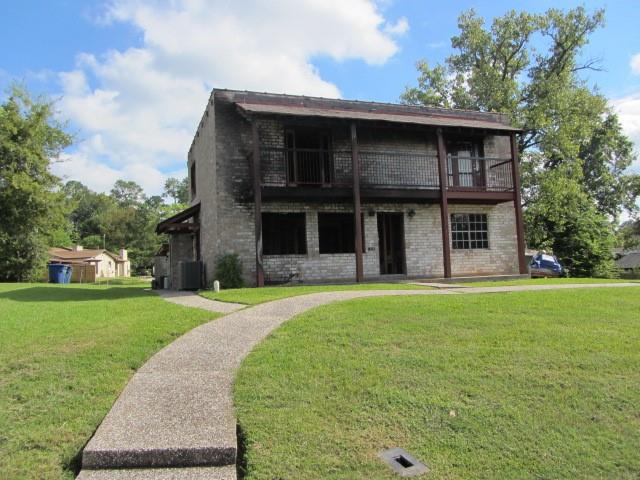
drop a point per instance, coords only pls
(190, 274)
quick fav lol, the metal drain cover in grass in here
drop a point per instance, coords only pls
(403, 463)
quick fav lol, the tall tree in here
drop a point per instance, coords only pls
(32, 208)
(177, 190)
(569, 131)
(127, 193)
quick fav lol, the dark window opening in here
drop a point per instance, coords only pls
(469, 231)
(284, 234)
(309, 159)
(192, 174)
(465, 164)
(336, 232)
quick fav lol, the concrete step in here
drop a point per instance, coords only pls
(193, 473)
(167, 419)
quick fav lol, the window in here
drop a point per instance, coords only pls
(309, 160)
(464, 164)
(336, 232)
(469, 231)
(193, 179)
(284, 234)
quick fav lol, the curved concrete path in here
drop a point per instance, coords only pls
(177, 410)
(191, 299)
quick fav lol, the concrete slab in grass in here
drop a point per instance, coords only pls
(193, 473)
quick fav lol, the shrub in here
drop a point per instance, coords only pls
(229, 271)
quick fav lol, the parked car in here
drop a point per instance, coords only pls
(545, 265)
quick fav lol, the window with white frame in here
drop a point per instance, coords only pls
(469, 231)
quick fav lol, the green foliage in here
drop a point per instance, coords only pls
(527, 65)
(178, 190)
(628, 235)
(33, 213)
(563, 219)
(229, 271)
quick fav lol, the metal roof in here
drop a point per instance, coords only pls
(384, 116)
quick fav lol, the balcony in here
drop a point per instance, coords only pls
(383, 174)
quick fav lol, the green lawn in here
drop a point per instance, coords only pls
(253, 296)
(545, 281)
(66, 352)
(512, 386)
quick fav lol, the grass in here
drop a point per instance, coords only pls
(66, 352)
(515, 386)
(254, 296)
(545, 281)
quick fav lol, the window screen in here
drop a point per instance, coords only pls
(284, 234)
(469, 231)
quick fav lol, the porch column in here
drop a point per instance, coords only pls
(257, 198)
(355, 166)
(444, 204)
(517, 201)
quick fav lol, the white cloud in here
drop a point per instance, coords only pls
(137, 109)
(628, 110)
(635, 64)
(400, 27)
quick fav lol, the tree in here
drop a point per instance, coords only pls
(569, 131)
(563, 218)
(178, 190)
(127, 193)
(32, 212)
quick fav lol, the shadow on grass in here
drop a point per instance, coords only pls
(72, 294)
(241, 458)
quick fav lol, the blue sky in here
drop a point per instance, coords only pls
(133, 76)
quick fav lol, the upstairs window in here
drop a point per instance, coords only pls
(469, 231)
(465, 164)
(336, 232)
(284, 234)
(192, 176)
(309, 160)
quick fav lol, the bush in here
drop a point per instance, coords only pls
(229, 271)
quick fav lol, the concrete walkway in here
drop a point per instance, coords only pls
(191, 299)
(177, 410)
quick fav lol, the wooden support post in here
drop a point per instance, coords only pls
(355, 166)
(515, 172)
(257, 198)
(444, 204)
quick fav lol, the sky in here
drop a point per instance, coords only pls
(132, 77)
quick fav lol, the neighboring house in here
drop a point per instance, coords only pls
(314, 189)
(106, 263)
(629, 263)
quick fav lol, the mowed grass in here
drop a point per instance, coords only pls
(511, 385)
(66, 352)
(546, 281)
(254, 296)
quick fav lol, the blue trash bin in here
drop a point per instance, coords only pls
(57, 273)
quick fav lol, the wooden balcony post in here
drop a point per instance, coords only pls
(515, 172)
(355, 166)
(444, 204)
(257, 198)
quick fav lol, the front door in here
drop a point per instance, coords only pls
(391, 241)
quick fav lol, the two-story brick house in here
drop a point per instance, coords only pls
(314, 189)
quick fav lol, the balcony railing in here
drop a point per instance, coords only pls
(287, 167)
